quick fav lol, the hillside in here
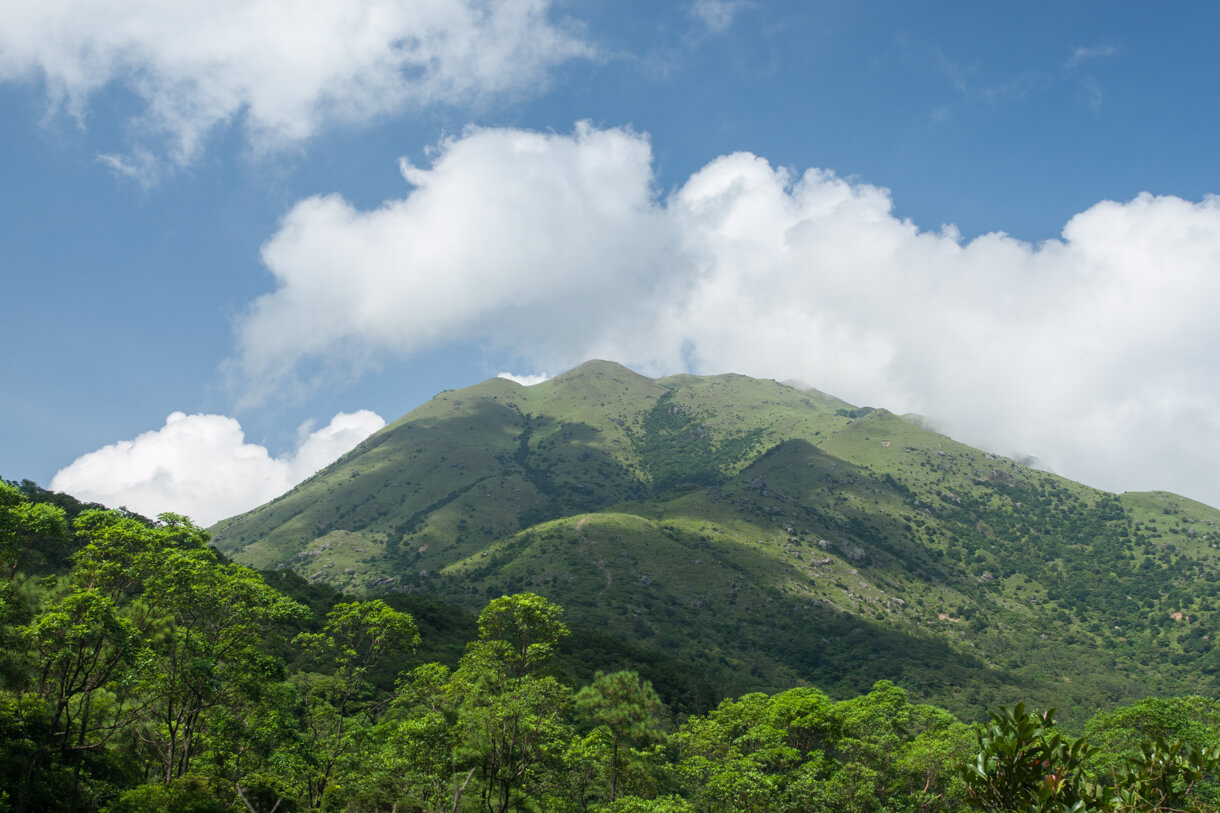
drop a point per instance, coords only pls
(768, 535)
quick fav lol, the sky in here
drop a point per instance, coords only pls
(238, 236)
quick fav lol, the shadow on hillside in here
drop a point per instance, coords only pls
(716, 605)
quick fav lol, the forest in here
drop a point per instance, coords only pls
(140, 670)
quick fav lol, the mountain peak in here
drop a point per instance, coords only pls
(599, 368)
(742, 515)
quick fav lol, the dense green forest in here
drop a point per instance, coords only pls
(142, 671)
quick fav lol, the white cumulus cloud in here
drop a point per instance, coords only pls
(508, 234)
(201, 466)
(283, 69)
(1093, 352)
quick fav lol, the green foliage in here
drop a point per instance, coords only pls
(511, 721)
(149, 676)
(634, 804)
(675, 447)
(30, 533)
(1193, 720)
(26, 528)
(1170, 776)
(1024, 764)
(517, 633)
(187, 795)
(356, 634)
(627, 708)
(799, 750)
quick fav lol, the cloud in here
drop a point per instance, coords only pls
(1093, 352)
(201, 466)
(525, 380)
(1093, 94)
(283, 69)
(1090, 89)
(140, 165)
(509, 233)
(717, 15)
(1084, 53)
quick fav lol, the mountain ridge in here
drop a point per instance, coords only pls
(772, 535)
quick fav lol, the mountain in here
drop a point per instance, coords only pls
(768, 536)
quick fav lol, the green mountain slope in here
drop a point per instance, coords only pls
(769, 535)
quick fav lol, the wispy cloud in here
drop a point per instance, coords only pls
(1083, 53)
(282, 71)
(1090, 88)
(717, 15)
(958, 75)
(1093, 95)
(140, 166)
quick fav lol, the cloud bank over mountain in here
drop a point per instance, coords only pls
(201, 466)
(1091, 352)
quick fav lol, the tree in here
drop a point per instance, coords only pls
(738, 758)
(511, 719)
(512, 731)
(517, 633)
(24, 526)
(1024, 764)
(411, 755)
(1156, 752)
(628, 707)
(26, 530)
(898, 750)
(83, 650)
(1169, 776)
(206, 650)
(355, 636)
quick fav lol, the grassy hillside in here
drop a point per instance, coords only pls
(767, 536)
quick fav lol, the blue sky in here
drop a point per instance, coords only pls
(257, 216)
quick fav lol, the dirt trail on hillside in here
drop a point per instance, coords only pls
(585, 542)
